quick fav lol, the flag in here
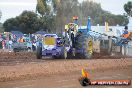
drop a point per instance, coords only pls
(84, 73)
(106, 26)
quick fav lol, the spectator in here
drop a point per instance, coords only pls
(34, 46)
(10, 44)
(21, 40)
(3, 44)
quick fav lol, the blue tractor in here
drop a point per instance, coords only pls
(78, 42)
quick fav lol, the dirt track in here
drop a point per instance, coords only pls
(11, 58)
(70, 80)
(25, 65)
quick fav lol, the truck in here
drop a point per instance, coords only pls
(23, 46)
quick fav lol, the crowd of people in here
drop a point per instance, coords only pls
(7, 39)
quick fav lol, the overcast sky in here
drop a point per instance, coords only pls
(12, 8)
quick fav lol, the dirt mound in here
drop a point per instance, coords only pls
(18, 55)
(11, 58)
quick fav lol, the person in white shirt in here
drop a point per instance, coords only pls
(10, 44)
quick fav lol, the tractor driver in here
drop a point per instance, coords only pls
(71, 27)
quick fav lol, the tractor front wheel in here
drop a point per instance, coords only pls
(64, 53)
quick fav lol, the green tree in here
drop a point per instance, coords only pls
(53, 17)
(29, 22)
(1, 28)
(128, 8)
(25, 23)
(66, 9)
(56, 4)
(43, 8)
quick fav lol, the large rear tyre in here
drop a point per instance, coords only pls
(39, 53)
(88, 47)
(85, 43)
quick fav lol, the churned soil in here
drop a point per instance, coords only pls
(24, 65)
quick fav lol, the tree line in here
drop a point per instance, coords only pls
(128, 8)
(52, 15)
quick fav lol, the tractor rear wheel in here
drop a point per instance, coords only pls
(85, 43)
(39, 52)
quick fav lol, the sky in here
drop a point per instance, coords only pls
(13, 8)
